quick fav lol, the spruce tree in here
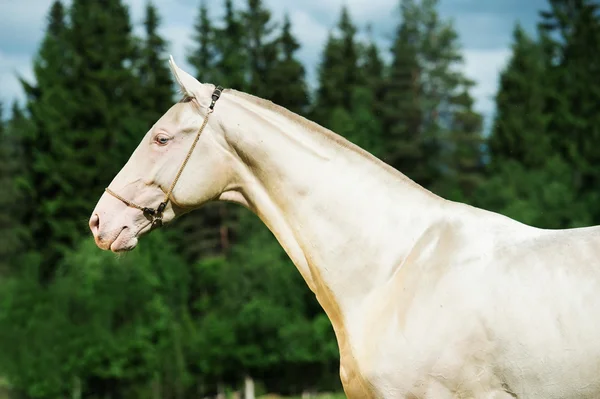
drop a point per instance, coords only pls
(9, 198)
(338, 75)
(373, 70)
(451, 129)
(261, 48)
(570, 29)
(537, 170)
(429, 123)
(402, 112)
(230, 41)
(6, 222)
(519, 129)
(368, 99)
(154, 72)
(203, 53)
(288, 81)
(49, 107)
(463, 156)
(217, 58)
(85, 117)
(350, 90)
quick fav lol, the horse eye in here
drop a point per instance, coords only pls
(161, 139)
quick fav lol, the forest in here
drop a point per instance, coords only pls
(202, 308)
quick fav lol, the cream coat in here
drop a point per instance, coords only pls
(428, 298)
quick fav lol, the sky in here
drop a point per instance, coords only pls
(484, 27)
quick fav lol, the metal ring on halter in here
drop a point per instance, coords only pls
(157, 213)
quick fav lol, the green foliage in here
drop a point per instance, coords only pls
(103, 318)
(260, 48)
(202, 304)
(80, 72)
(544, 141)
(157, 86)
(520, 121)
(338, 71)
(12, 233)
(288, 84)
(431, 131)
(542, 197)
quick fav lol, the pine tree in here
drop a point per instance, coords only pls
(231, 47)
(519, 130)
(260, 47)
(373, 68)
(155, 76)
(451, 130)
(218, 57)
(402, 112)
(464, 163)
(350, 87)
(85, 116)
(6, 222)
(368, 99)
(288, 82)
(48, 105)
(9, 211)
(570, 29)
(430, 125)
(338, 76)
(203, 57)
(537, 170)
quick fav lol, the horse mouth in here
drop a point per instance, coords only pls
(125, 241)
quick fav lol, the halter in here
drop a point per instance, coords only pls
(157, 214)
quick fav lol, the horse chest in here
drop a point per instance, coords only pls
(355, 386)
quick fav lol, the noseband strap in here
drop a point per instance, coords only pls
(157, 213)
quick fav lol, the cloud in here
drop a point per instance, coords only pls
(11, 67)
(484, 67)
(484, 29)
(22, 25)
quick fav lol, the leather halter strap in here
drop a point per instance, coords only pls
(157, 213)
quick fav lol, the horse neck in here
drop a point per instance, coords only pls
(346, 219)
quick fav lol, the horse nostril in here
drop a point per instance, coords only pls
(94, 224)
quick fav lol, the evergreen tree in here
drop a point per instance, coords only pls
(367, 100)
(50, 108)
(288, 82)
(155, 75)
(464, 167)
(373, 68)
(6, 222)
(338, 75)
(260, 47)
(350, 87)
(206, 232)
(203, 55)
(536, 170)
(451, 130)
(402, 113)
(428, 117)
(84, 106)
(230, 41)
(519, 130)
(9, 241)
(570, 29)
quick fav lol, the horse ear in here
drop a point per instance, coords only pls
(189, 86)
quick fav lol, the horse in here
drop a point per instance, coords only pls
(427, 297)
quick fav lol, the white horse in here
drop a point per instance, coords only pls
(428, 298)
